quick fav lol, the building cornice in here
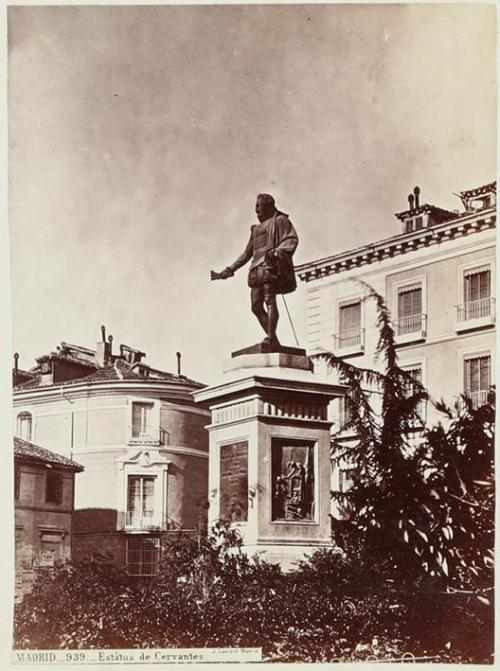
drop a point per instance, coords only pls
(397, 245)
(82, 389)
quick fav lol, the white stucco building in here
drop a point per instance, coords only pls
(437, 275)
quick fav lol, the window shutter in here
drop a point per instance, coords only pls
(477, 374)
(477, 285)
(350, 317)
(409, 302)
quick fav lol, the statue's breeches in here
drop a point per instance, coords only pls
(261, 275)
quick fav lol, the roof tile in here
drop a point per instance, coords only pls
(23, 449)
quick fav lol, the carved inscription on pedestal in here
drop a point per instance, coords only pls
(234, 482)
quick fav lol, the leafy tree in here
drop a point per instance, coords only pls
(421, 497)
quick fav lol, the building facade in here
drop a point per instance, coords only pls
(437, 275)
(44, 486)
(139, 436)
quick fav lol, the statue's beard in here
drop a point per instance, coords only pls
(267, 214)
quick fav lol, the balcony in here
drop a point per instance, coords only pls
(410, 328)
(478, 398)
(146, 435)
(475, 314)
(145, 521)
(350, 341)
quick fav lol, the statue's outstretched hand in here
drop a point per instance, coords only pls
(227, 272)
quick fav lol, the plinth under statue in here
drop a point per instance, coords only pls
(269, 454)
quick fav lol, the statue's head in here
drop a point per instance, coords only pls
(265, 206)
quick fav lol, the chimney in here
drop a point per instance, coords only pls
(178, 355)
(102, 354)
(16, 363)
(47, 365)
(411, 201)
(416, 191)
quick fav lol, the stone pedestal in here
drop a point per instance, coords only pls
(269, 465)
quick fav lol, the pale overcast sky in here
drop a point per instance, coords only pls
(139, 137)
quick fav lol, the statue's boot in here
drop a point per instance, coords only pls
(272, 320)
(263, 320)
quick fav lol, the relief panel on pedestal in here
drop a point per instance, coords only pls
(293, 480)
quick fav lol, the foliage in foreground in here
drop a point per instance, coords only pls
(333, 606)
(424, 498)
(412, 573)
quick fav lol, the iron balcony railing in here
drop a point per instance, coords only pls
(144, 521)
(410, 324)
(478, 398)
(146, 435)
(484, 307)
(351, 338)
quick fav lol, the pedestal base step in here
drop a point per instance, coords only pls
(266, 348)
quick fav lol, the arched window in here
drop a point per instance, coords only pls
(24, 422)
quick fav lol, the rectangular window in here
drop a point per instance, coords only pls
(141, 420)
(142, 555)
(477, 379)
(346, 479)
(345, 412)
(53, 487)
(410, 389)
(477, 295)
(293, 477)
(350, 325)
(409, 310)
(140, 501)
(17, 482)
(24, 422)
(477, 285)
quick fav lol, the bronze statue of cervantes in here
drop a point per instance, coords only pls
(271, 247)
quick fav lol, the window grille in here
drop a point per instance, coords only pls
(142, 555)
